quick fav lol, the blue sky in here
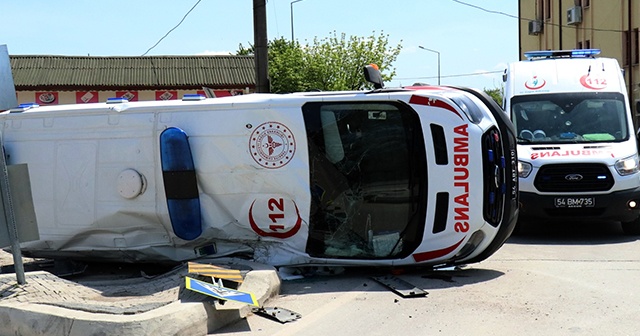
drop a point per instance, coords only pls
(470, 40)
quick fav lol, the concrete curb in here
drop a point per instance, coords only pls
(176, 318)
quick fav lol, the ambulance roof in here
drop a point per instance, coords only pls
(564, 71)
(247, 101)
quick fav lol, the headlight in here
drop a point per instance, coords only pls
(524, 169)
(471, 245)
(468, 107)
(627, 166)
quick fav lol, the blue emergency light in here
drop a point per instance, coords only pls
(117, 100)
(23, 107)
(582, 53)
(190, 97)
(28, 105)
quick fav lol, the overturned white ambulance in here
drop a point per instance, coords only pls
(421, 175)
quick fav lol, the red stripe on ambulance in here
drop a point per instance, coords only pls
(424, 256)
(419, 100)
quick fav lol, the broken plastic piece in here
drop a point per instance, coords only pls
(401, 287)
(278, 314)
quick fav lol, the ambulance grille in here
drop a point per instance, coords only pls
(493, 166)
(573, 177)
(439, 144)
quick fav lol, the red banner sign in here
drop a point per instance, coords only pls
(84, 97)
(128, 95)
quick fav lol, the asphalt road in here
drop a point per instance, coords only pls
(554, 279)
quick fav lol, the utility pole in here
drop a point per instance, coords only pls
(292, 2)
(10, 218)
(437, 52)
(260, 42)
(7, 88)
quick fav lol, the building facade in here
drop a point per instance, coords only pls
(611, 26)
(51, 80)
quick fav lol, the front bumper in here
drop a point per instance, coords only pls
(613, 206)
(510, 209)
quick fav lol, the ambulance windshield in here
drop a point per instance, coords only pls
(368, 180)
(570, 118)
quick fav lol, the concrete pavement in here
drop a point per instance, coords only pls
(160, 305)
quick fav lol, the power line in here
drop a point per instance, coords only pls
(527, 19)
(452, 76)
(486, 10)
(172, 29)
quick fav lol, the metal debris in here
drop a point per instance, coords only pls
(401, 287)
(278, 314)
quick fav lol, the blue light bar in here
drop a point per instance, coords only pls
(190, 96)
(117, 100)
(561, 53)
(585, 52)
(23, 107)
(28, 105)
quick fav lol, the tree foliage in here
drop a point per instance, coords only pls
(496, 94)
(330, 64)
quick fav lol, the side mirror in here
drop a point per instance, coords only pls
(372, 75)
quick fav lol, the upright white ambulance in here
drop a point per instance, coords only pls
(422, 175)
(577, 149)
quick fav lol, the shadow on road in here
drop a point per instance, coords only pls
(361, 278)
(570, 233)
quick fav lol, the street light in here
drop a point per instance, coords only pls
(427, 49)
(292, 2)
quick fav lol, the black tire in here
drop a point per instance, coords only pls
(520, 228)
(631, 228)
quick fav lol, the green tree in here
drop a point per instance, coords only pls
(496, 94)
(330, 64)
(286, 65)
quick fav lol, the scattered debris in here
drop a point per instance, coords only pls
(401, 287)
(216, 272)
(218, 291)
(289, 273)
(445, 273)
(278, 314)
(295, 273)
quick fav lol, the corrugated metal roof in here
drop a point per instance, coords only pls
(48, 72)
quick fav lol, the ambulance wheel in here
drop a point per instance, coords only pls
(631, 228)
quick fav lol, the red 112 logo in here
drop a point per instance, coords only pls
(276, 217)
(593, 82)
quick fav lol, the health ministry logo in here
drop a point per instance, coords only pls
(535, 83)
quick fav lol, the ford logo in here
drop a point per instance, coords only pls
(573, 177)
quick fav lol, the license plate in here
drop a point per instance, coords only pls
(575, 202)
